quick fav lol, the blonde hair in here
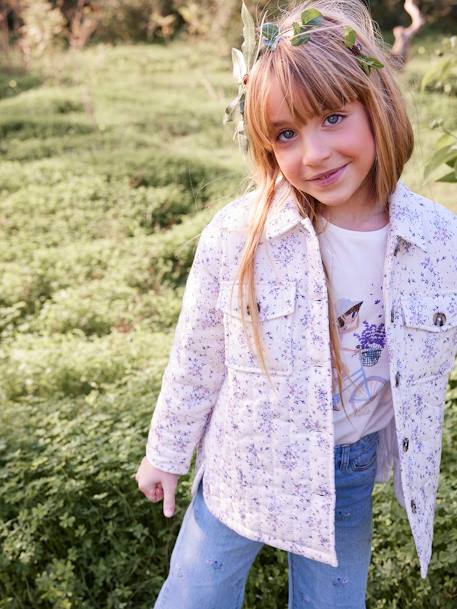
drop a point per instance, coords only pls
(316, 77)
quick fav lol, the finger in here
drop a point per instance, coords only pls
(154, 494)
(153, 498)
(145, 488)
(169, 499)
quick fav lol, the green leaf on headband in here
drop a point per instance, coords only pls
(363, 64)
(300, 36)
(270, 31)
(248, 46)
(270, 35)
(239, 65)
(241, 135)
(300, 39)
(229, 112)
(374, 63)
(311, 17)
(232, 107)
(349, 37)
(242, 100)
(367, 63)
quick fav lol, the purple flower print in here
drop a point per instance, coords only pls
(372, 335)
(371, 342)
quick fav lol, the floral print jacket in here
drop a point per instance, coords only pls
(267, 455)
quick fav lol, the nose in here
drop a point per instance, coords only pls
(315, 150)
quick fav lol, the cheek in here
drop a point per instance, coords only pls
(364, 145)
(287, 162)
(361, 148)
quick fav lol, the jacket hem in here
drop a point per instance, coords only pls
(328, 558)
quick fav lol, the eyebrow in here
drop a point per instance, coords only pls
(283, 122)
(280, 123)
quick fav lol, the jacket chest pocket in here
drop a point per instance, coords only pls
(430, 333)
(275, 306)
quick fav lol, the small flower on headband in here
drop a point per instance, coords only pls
(366, 62)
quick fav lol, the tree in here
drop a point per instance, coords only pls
(404, 35)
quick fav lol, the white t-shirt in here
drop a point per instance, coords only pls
(355, 263)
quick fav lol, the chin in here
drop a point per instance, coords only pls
(330, 199)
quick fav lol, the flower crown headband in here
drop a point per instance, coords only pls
(269, 37)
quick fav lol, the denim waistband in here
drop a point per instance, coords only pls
(361, 445)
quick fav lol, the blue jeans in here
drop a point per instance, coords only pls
(210, 562)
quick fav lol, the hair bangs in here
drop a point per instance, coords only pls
(313, 92)
(310, 88)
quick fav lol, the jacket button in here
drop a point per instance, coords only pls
(397, 379)
(392, 315)
(405, 444)
(439, 319)
(413, 506)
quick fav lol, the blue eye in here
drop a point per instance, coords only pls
(288, 134)
(332, 116)
(287, 138)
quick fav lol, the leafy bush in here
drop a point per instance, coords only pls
(444, 76)
(98, 233)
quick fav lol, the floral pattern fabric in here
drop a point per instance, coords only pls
(266, 452)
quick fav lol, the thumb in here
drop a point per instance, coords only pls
(169, 489)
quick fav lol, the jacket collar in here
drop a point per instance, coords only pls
(405, 216)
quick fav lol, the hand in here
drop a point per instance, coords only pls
(157, 485)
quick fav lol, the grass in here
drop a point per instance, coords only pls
(111, 163)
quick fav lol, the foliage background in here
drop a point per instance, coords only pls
(158, 20)
(112, 159)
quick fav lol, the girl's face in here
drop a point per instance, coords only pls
(340, 141)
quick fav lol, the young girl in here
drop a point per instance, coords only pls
(317, 332)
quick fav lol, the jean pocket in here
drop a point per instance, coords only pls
(365, 461)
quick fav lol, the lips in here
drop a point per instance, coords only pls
(326, 174)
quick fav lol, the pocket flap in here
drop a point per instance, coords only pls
(274, 299)
(434, 312)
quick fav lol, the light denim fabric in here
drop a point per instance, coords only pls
(210, 562)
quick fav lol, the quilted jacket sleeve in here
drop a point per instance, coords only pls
(196, 369)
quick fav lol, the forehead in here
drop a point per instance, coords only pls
(276, 103)
(297, 105)
(301, 103)
(281, 106)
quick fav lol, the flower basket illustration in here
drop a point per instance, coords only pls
(371, 343)
(371, 355)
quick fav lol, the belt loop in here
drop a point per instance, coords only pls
(345, 452)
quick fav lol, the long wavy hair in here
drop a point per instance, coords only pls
(317, 77)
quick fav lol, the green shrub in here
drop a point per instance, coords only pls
(103, 306)
(99, 229)
(73, 365)
(76, 530)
